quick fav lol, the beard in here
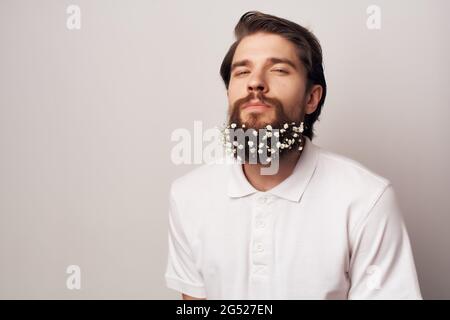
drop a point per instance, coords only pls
(257, 141)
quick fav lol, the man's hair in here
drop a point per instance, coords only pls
(309, 52)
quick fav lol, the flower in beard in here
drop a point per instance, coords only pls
(262, 145)
(254, 140)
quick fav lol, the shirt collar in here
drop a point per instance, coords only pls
(292, 188)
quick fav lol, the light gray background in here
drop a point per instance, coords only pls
(86, 118)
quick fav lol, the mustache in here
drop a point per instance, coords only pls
(272, 102)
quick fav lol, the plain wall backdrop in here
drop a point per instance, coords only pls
(86, 118)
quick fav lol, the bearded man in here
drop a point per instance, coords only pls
(321, 226)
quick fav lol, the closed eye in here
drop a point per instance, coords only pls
(240, 72)
(280, 70)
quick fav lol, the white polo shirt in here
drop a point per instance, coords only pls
(331, 230)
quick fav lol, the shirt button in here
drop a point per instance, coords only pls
(259, 247)
(260, 224)
(262, 200)
(258, 268)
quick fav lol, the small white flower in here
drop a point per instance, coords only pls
(235, 143)
(240, 147)
(295, 135)
(252, 150)
(286, 126)
(269, 127)
(233, 125)
(278, 144)
(227, 131)
(250, 143)
(300, 148)
(276, 134)
(282, 130)
(269, 159)
(261, 145)
(301, 127)
(255, 133)
(269, 134)
(243, 125)
(260, 151)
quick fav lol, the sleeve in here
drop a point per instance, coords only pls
(381, 261)
(181, 272)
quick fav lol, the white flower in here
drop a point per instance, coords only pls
(255, 133)
(250, 143)
(301, 127)
(269, 134)
(260, 151)
(286, 126)
(269, 159)
(243, 125)
(261, 145)
(240, 147)
(276, 134)
(300, 148)
(235, 143)
(233, 125)
(278, 144)
(227, 131)
(252, 150)
(269, 127)
(295, 135)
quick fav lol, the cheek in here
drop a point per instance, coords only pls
(234, 93)
(291, 95)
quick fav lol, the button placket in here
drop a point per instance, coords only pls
(262, 236)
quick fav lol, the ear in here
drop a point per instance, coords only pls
(313, 97)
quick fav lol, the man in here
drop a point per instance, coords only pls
(322, 227)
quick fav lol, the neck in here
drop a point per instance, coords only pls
(266, 182)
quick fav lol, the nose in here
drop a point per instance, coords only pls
(257, 84)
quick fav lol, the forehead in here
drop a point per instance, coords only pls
(259, 46)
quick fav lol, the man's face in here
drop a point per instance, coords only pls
(266, 72)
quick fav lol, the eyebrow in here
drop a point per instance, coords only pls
(272, 60)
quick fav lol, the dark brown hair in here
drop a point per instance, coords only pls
(309, 51)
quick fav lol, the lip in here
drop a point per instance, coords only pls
(255, 105)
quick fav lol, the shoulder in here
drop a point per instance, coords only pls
(351, 183)
(349, 173)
